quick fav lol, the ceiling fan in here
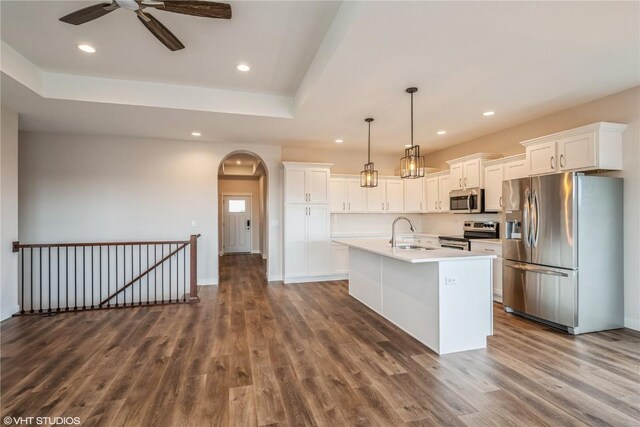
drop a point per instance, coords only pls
(205, 9)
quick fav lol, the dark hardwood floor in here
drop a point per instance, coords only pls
(307, 354)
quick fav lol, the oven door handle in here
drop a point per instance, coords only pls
(469, 202)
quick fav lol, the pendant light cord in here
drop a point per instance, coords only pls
(412, 119)
(369, 145)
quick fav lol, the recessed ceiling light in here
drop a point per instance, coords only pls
(441, 132)
(339, 141)
(87, 48)
(243, 67)
(195, 133)
(238, 162)
(488, 113)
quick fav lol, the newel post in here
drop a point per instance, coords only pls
(193, 287)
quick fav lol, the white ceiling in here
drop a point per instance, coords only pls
(522, 59)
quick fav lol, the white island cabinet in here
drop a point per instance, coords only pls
(441, 297)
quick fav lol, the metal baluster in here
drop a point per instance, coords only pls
(84, 278)
(31, 279)
(75, 277)
(162, 246)
(131, 275)
(100, 272)
(139, 271)
(148, 275)
(49, 310)
(40, 282)
(170, 276)
(22, 281)
(177, 274)
(184, 274)
(58, 309)
(108, 274)
(92, 284)
(116, 278)
(66, 277)
(155, 275)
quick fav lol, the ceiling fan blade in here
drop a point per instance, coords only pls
(207, 9)
(88, 13)
(161, 32)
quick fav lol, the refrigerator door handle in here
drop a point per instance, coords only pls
(532, 269)
(525, 219)
(536, 230)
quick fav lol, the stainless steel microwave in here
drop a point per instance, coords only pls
(470, 200)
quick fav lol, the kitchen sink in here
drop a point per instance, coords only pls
(414, 247)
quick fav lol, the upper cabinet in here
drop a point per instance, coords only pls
(496, 171)
(306, 182)
(592, 147)
(414, 195)
(387, 197)
(468, 172)
(346, 195)
(437, 188)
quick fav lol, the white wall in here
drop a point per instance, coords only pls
(8, 213)
(90, 188)
(228, 186)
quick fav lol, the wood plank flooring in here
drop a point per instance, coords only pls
(306, 354)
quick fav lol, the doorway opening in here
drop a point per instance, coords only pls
(242, 202)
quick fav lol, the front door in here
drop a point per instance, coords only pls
(236, 224)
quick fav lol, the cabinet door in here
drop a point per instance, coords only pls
(413, 195)
(295, 188)
(338, 195)
(356, 196)
(433, 189)
(493, 188)
(456, 176)
(444, 189)
(541, 158)
(339, 259)
(497, 279)
(515, 170)
(295, 235)
(376, 199)
(471, 174)
(318, 240)
(318, 185)
(577, 152)
(394, 196)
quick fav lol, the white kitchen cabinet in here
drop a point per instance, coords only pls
(306, 182)
(494, 248)
(307, 242)
(338, 194)
(414, 195)
(437, 194)
(496, 171)
(339, 260)
(468, 172)
(387, 197)
(592, 147)
(493, 176)
(356, 196)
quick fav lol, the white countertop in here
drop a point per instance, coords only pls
(382, 247)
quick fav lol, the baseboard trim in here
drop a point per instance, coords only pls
(9, 311)
(274, 278)
(208, 281)
(256, 252)
(326, 278)
(632, 323)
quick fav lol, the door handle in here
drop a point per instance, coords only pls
(465, 181)
(440, 205)
(525, 219)
(382, 205)
(420, 205)
(500, 201)
(537, 221)
(343, 208)
(349, 204)
(553, 162)
(460, 182)
(524, 267)
(561, 160)
(469, 202)
(248, 223)
(435, 205)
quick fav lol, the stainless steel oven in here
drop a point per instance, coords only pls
(472, 230)
(470, 200)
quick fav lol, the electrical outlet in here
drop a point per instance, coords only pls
(450, 281)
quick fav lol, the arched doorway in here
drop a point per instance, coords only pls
(243, 205)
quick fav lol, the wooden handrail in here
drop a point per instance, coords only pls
(18, 245)
(140, 276)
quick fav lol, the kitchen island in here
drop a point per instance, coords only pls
(442, 297)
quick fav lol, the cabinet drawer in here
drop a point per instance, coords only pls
(490, 248)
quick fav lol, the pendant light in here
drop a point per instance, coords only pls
(369, 176)
(412, 164)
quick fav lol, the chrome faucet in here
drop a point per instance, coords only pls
(393, 229)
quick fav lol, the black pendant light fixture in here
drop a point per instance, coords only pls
(412, 164)
(369, 176)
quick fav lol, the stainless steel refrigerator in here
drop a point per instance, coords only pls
(562, 250)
